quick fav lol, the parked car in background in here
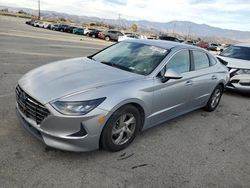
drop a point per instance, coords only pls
(29, 22)
(202, 44)
(215, 47)
(100, 36)
(54, 27)
(45, 25)
(128, 36)
(69, 29)
(238, 63)
(104, 100)
(168, 38)
(190, 42)
(38, 24)
(78, 31)
(87, 31)
(61, 27)
(93, 33)
(111, 35)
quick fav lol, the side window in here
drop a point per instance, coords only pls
(213, 61)
(180, 62)
(201, 60)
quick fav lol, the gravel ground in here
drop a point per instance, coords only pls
(199, 149)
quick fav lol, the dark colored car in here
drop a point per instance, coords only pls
(62, 27)
(78, 31)
(215, 47)
(111, 35)
(69, 29)
(168, 38)
(29, 22)
(93, 33)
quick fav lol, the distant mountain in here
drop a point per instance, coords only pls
(180, 27)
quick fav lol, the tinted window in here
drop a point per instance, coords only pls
(200, 60)
(180, 62)
(237, 52)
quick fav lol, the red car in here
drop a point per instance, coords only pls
(100, 35)
(203, 45)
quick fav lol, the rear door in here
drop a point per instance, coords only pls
(203, 77)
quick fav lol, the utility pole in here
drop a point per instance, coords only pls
(39, 12)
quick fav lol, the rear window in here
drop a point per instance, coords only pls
(201, 60)
(213, 61)
(237, 52)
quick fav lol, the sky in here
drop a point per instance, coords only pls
(228, 14)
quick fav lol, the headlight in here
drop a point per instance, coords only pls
(244, 71)
(76, 107)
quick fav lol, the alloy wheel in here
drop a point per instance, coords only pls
(216, 98)
(123, 129)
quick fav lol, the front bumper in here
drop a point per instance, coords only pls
(240, 82)
(67, 133)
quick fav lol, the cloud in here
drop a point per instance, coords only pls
(230, 14)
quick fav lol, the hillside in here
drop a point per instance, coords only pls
(181, 27)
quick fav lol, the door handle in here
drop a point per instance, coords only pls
(188, 83)
(214, 77)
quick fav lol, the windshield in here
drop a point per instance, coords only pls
(237, 52)
(133, 57)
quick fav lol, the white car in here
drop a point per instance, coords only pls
(128, 36)
(38, 24)
(45, 25)
(238, 59)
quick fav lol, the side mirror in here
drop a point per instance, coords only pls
(170, 74)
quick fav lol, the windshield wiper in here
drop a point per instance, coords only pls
(107, 63)
(90, 57)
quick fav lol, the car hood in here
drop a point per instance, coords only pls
(62, 78)
(236, 63)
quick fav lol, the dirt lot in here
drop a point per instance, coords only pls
(199, 149)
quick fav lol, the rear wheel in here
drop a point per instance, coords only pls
(107, 38)
(214, 99)
(121, 129)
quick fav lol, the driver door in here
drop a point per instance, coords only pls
(171, 98)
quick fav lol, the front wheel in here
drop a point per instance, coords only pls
(214, 99)
(121, 129)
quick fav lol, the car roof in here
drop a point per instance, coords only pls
(243, 45)
(163, 44)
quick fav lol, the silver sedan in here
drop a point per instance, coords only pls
(105, 99)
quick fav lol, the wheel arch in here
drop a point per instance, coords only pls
(134, 103)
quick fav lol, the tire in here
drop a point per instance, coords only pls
(214, 99)
(93, 36)
(107, 38)
(118, 133)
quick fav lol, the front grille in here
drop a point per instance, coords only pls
(30, 107)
